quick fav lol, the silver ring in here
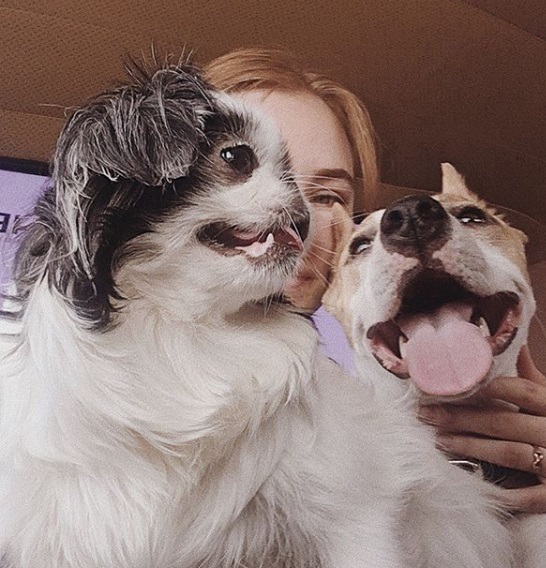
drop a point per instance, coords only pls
(538, 458)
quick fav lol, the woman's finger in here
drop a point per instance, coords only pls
(527, 368)
(524, 393)
(527, 499)
(493, 423)
(515, 455)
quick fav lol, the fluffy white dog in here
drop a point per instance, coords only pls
(155, 412)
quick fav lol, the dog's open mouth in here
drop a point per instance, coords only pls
(255, 244)
(445, 337)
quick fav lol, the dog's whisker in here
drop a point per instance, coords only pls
(292, 221)
(321, 249)
(315, 269)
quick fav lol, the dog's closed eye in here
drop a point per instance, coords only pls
(472, 215)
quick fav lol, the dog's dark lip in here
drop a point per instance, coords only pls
(384, 340)
(254, 242)
(431, 290)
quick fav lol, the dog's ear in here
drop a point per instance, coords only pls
(148, 131)
(112, 169)
(453, 183)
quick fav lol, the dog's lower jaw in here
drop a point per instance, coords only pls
(199, 286)
(501, 364)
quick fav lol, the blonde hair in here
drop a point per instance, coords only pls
(248, 69)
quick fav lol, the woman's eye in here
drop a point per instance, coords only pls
(471, 215)
(326, 198)
(241, 158)
(360, 245)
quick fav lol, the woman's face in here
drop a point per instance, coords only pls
(322, 161)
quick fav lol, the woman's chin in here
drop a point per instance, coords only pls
(304, 293)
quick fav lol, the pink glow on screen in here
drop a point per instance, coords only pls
(18, 194)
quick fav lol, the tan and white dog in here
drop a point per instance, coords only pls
(435, 297)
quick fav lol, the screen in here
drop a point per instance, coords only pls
(18, 194)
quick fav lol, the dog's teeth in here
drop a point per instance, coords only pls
(484, 328)
(257, 248)
(402, 345)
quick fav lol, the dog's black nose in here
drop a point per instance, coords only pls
(413, 224)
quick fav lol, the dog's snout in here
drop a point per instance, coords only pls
(413, 224)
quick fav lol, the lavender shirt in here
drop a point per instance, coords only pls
(334, 342)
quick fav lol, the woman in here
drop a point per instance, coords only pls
(336, 163)
(331, 144)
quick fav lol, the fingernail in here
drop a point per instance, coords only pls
(428, 415)
(443, 442)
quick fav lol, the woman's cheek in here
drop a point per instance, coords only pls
(322, 234)
(306, 290)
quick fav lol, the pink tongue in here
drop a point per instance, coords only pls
(446, 355)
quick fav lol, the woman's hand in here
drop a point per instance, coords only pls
(497, 432)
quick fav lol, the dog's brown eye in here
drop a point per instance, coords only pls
(471, 215)
(360, 245)
(241, 158)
